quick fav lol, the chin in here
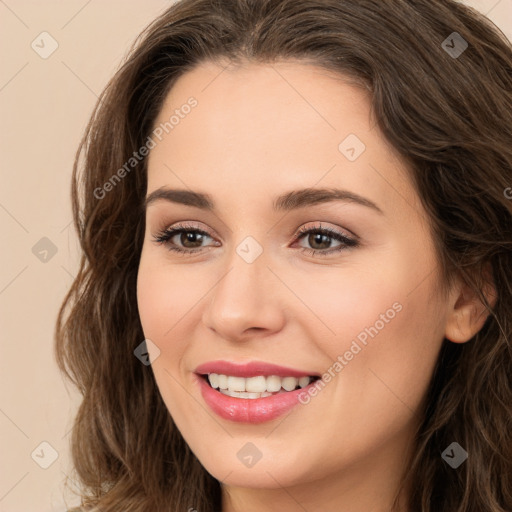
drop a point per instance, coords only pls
(262, 475)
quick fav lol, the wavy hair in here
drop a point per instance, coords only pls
(448, 116)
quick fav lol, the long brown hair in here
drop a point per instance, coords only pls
(449, 116)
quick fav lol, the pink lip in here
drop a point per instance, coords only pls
(251, 369)
(247, 410)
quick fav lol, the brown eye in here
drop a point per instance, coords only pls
(191, 237)
(183, 239)
(320, 240)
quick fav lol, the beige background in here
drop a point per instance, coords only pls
(45, 104)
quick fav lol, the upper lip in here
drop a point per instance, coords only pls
(251, 369)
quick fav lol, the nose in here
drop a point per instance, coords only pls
(247, 301)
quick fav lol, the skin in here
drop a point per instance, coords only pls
(259, 131)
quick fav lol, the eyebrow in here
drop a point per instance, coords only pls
(289, 201)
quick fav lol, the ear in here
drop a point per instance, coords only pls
(468, 314)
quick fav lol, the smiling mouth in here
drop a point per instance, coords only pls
(259, 386)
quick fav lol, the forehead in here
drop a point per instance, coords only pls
(263, 128)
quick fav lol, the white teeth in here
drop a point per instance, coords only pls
(273, 383)
(244, 394)
(223, 381)
(256, 384)
(236, 383)
(255, 387)
(289, 383)
(214, 380)
(303, 382)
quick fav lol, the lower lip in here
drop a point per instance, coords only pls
(249, 410)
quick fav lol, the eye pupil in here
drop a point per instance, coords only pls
(319, 238)
(192, 237)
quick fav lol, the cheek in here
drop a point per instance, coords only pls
(164, 303)
(165, 297)
(348, 304)
(386, 328)
(391, 346)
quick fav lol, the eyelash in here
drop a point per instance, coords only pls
(164, 237)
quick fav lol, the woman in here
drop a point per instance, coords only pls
(295, 290)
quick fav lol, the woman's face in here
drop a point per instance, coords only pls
(362, 309)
